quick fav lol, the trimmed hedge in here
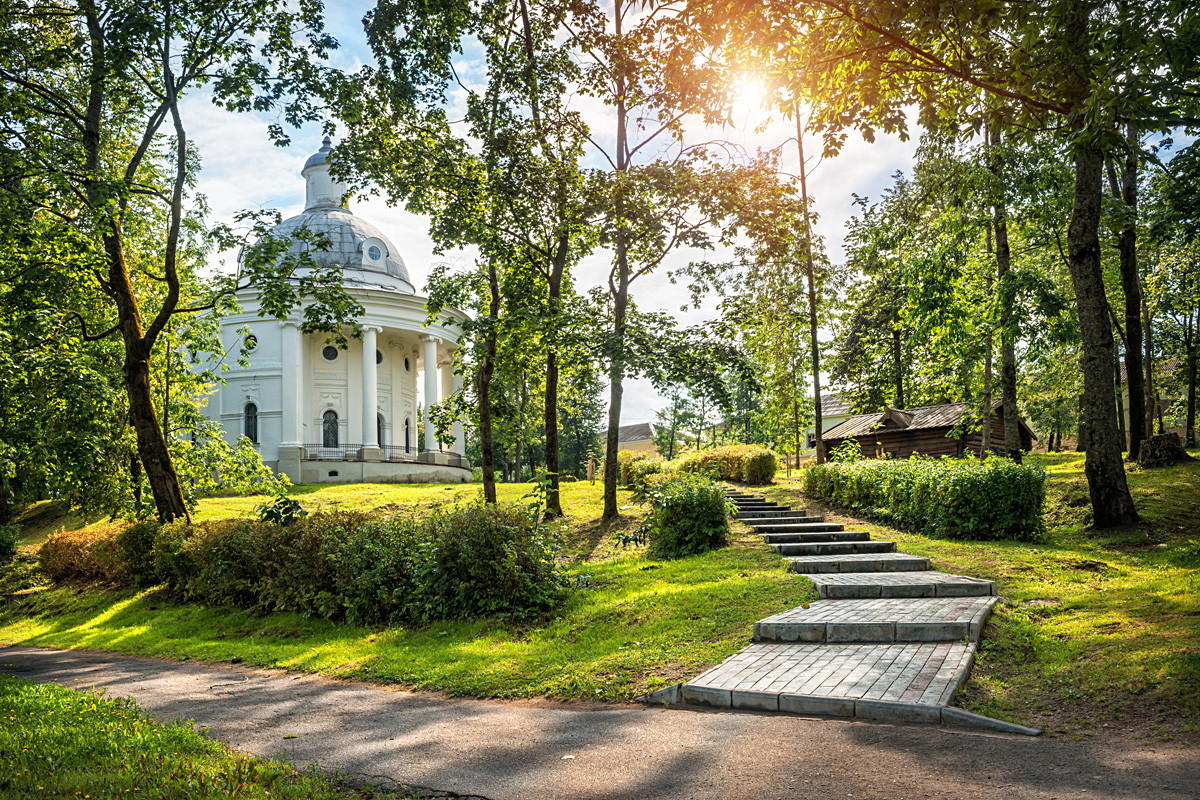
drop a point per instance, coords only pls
(747, 463)
(949, 498)
(467, 561)
(688, 515)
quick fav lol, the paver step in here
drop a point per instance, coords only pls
(924, 583)
(832, 548)
(798, 527)
(895, 682)
(858, 562)
(793, 519)
(827, 536)
(781, 513)
(747, 504)
(932, 619)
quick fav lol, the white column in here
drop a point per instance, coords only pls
(431, 390)
(370, 390)
(447, 365)
(460, 444)
(292, 382)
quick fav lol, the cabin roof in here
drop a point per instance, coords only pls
(907, 419)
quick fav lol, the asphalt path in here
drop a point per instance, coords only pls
(501, 750)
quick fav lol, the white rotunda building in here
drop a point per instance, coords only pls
(323, 415)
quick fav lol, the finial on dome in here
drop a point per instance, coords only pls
(326, 142)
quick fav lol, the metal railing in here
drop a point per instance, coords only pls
(353, 452)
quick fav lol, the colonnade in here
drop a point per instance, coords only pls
(292, 367)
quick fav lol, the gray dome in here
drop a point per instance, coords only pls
(365, 255)
(356, 245)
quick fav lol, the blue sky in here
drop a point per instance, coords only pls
(242, 169)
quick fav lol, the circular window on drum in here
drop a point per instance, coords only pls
(330, 353)
(374, 253)
(251, 342)
(378, 357)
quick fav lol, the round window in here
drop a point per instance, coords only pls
(378, 357)
(406, 365)
(374, 252)
(251, 343)
(330, 353)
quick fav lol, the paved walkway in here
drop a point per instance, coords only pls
(891, 640)
(518, 751)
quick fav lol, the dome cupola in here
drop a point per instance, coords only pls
(321, 190)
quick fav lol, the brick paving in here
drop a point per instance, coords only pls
(893, 640)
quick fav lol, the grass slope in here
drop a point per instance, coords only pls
(630, 625)
(59, 743)
(1095, 629)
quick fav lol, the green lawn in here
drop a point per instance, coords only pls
(1095, 628)
(60, 743)
(630, 624)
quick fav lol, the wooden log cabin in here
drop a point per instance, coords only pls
(930, 431)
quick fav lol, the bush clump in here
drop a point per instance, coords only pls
(689, 515)
(467, 561)
(949, 498)
(9, 535)
(88, 554)
(747, 463)
(625, 461)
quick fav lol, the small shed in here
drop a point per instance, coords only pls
(928, 431)
(638, 437)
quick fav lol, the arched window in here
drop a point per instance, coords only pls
(250, 422)
(379, 429)
(407, 437)
(329, 429)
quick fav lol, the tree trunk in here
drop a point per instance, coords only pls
(553, 506)
(487, 368)
(812, 294)
(521, 400)
(1120, 401)
(1112, 504)
(1008, 354)
(1148, 365)
(1131, 285)
(1193, 330)
(1189, 346)
(897, 365)
(152, 446)
(620, 294)
(985, 413)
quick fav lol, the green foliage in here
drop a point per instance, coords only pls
(465, 561)
(283, 510)
(689, 515)
(135, 551)
(729, 463)
(759, 468)
(641, 469)
(950, 498)
(58, 742)
(846, 452)
(625, 461)
(87, 554)
(484, 560)
(8, 539)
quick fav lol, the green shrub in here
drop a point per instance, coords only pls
(641, 469)
(950, 498)
(625, 461)
(135, 549)
(759, 468)
(87, 554)
(688, 515)
(9, 534)
(728, 462)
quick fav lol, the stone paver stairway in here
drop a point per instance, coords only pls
(891, 639)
